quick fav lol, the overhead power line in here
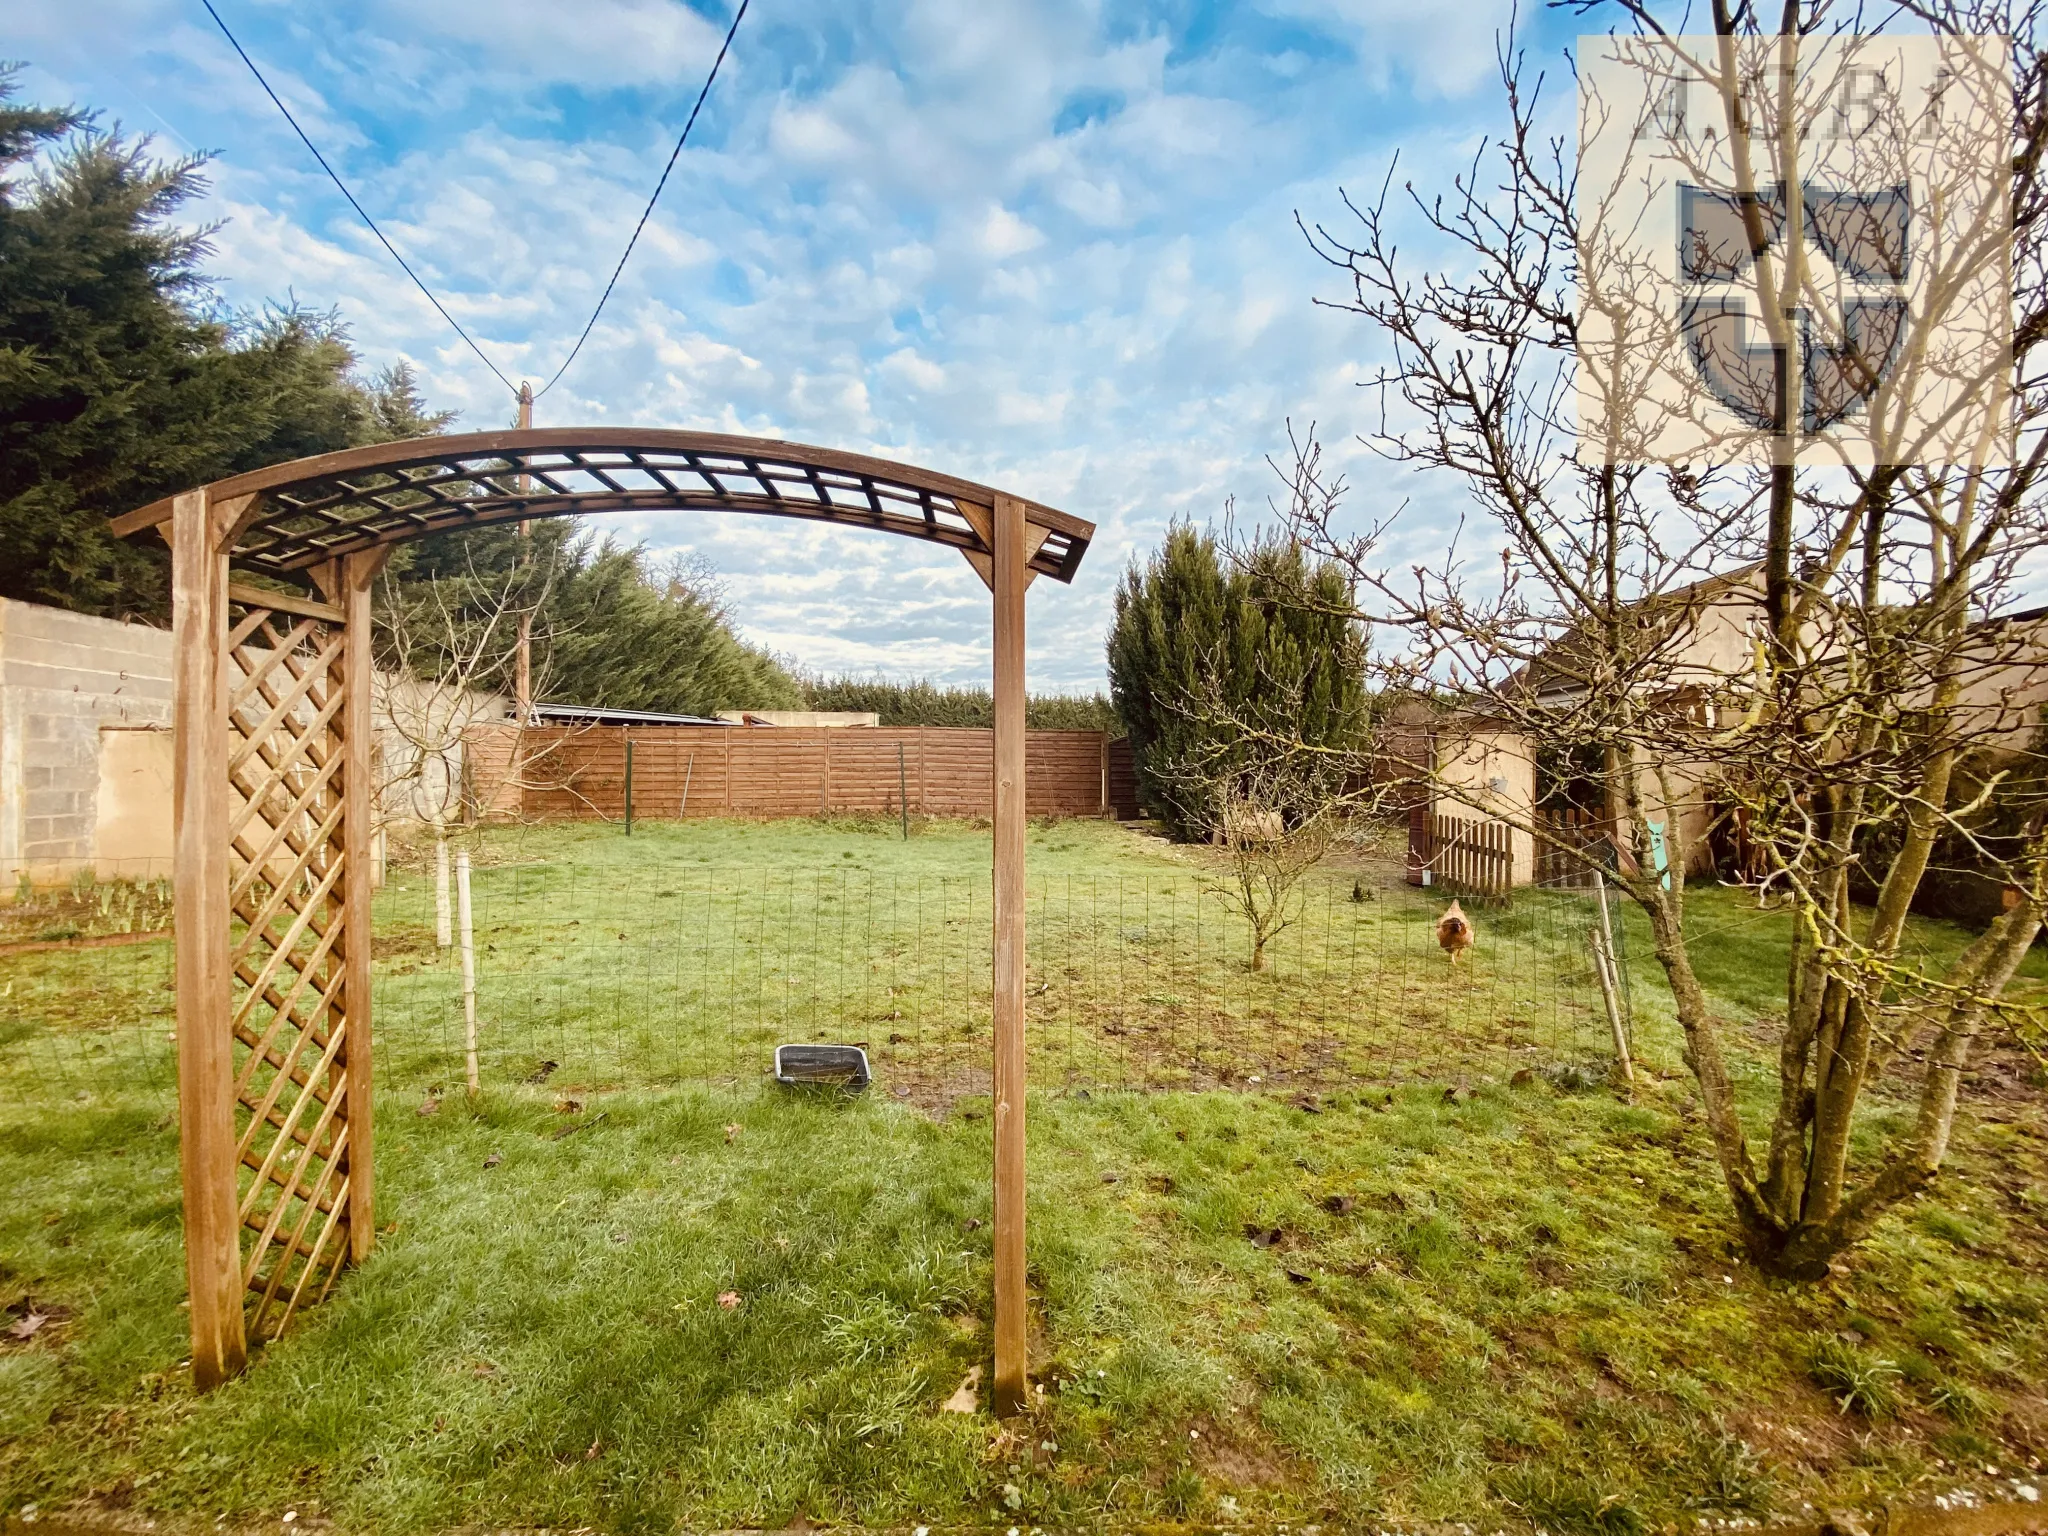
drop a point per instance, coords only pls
(361, 212)
(647, 213)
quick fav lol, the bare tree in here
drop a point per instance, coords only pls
(446, 648)
(1277, 816)
(1277, 804)
(1761, 619)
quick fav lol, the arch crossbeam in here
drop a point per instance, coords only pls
(302, 514)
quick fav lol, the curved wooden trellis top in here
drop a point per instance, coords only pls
(309, 511)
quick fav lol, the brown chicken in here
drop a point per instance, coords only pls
(1454, 931)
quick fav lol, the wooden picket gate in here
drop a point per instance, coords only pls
(1471, 859)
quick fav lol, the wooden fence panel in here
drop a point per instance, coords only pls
(1471, 858)
(572, 773)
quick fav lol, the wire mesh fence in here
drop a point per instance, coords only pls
(86, 1006)
(1132, 982)
(1135, 981)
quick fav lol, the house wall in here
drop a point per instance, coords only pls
(86, 748)
(69, 684)
(2005, 686)
(132, 808)
(1722, 644)
(1684, 816)
(1498, 768)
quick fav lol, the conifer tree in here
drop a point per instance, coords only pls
(121, 377)
(1203, 653)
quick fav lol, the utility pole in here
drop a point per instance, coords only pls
(523, 678)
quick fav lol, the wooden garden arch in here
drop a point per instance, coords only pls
(272, 807)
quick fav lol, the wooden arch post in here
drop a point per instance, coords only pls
(1010, 576)
(271, 812)
(1012, 539)
(206, 1123)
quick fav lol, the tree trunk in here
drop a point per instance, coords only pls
(1717, 1092)
(468, 930)
(443, 924)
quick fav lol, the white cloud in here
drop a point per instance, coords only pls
(918, 372)
(1014, 408)
(1445, 52)
(596, 43)
(1003, 235)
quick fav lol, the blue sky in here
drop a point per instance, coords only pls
(1048, 245)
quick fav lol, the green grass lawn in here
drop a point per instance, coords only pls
(687, 952)
(1518, 1304)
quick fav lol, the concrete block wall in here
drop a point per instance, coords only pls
(64, 679)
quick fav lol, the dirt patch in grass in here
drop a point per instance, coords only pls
(396, 940)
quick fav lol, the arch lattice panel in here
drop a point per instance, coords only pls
(288, 954)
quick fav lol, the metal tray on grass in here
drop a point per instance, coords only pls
(828, 1066)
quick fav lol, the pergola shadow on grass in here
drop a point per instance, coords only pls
(272, 807)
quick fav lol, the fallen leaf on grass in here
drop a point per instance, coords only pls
(729, 1300)
(732, 1134)
(966, 1397)
(596, 1446)
(430, 1106)
(28, 1327)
